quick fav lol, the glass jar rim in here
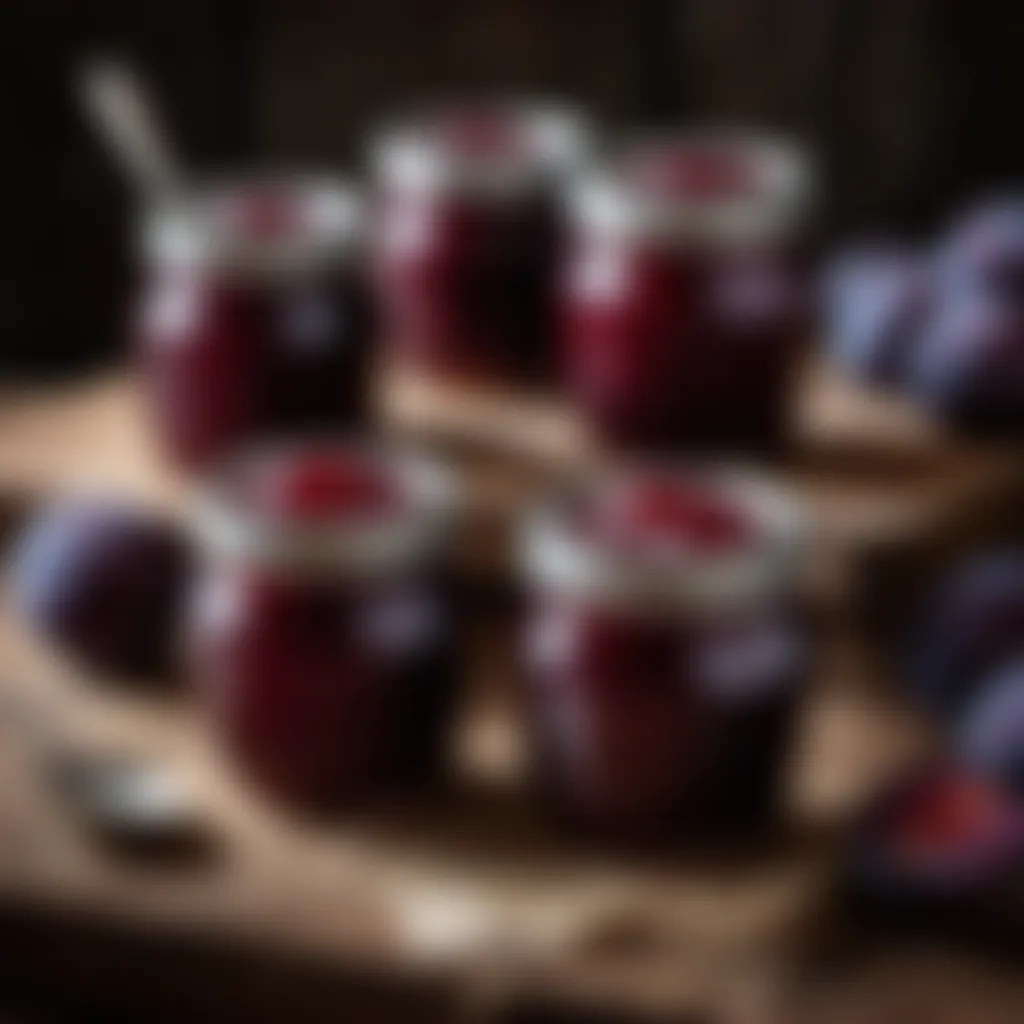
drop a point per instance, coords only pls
(408, 154)
(365, 545)
(184, 233)
(603, 203)
(555, 556)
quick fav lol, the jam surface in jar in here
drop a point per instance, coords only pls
(665, 650)
(470, 237)
(324, 630)
(257, 317)
(684, 307)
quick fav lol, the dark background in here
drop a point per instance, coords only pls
(912, 105)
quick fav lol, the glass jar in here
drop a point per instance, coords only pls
(470, 236)
(666, 648)
(256, 316)
(324, 628)
(684, 303)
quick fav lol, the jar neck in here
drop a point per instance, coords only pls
(194, 234)
(767, 207)
(568, 565)
(609, 214)
(412, 534)
(415, 159)
(433, 178)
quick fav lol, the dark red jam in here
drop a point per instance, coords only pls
(666, 651)
(257, 318)
(684, 304)
(324, 631)
(320, 486)
(469, 239)
(669, 515)
(689, 169)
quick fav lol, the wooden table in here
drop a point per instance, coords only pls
(465, 904)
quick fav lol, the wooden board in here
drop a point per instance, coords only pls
(883, 513)
(835, 422)
(469, 902)
(465, 891)
(891, 494)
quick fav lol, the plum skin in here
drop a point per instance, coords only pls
(107, 583)
(985, 247)
(947, 328)
(990, 736)
(974, 622)
(875, 298)
(969, 363)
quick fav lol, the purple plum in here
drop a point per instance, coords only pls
(106, 582)
(991, 734)
(875, 297)
(985, 246)
(973, 624)
(969, 363)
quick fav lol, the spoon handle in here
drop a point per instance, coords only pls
(119, 108)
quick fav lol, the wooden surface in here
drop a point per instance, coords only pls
(467, 902)
(469, 887)
(877, 478)
(835, 422)
(890, 494)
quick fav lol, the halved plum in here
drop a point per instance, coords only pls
(941, 846)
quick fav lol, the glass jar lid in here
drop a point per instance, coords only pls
(483, 150)
(269, 226)
(705, 188)
(327, 507)
(666, 538)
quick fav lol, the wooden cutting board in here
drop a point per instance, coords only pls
(468, 903)
(891, 496)
(835, 421)
(472, 893)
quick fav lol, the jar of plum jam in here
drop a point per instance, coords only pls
(666, 649)
(324, 628)
(256, 318)
(684, 304)
(470, 236)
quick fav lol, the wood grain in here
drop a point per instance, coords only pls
(469, 898)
